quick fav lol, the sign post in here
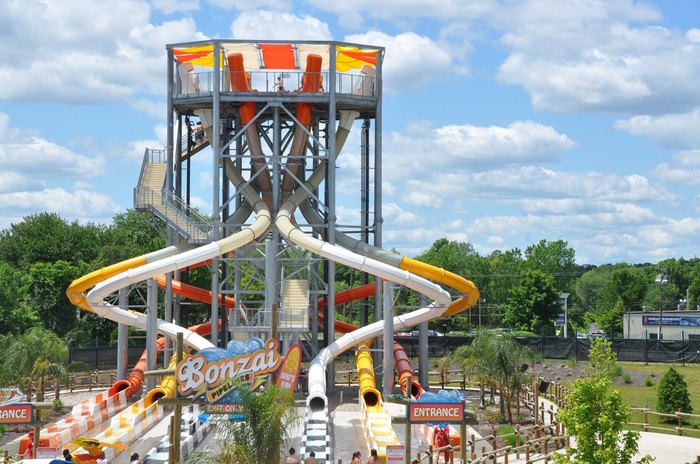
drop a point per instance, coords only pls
(442, 408)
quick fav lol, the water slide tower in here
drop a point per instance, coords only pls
(276, 115)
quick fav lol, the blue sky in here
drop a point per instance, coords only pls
(505, 122)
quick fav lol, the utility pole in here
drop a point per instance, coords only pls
(661, 281)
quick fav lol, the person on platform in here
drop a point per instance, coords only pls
(67, 456)
(135, 459)
(292, 458)
(356, 456)
(311, 459)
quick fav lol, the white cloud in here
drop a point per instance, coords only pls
(410, 61)
(531, 182)
(174, 6)
(271, 25)
(353, 13)
(588, 56)
(246, 5)
(462, 148)
(423, 199)
(82, 204)
(154, 109)
(677, 130)
(394, 214)
(39, 157)
(684, 170)
(88, 52)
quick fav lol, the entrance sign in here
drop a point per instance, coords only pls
(451, 413)
(395, 453)
(18, 413)
(440, 408)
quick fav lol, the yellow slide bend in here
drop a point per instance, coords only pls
(465, 287)
(76, 290)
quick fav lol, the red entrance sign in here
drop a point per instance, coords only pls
(18, 413)
(435, 412)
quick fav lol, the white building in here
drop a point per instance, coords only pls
(676, 325)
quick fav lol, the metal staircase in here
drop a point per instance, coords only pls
(295, 305)
(149, 195)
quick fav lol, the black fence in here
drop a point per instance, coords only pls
(645, 351)
(103, 357)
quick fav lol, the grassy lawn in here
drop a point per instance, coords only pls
(640, 396)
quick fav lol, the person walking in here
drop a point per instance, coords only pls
(356, 456)
(373, 458)
(292, 458)
(311, 459)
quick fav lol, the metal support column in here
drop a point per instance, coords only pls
(216, 217)
(423, 348)
(151, 331)
(331, 219)
(122, 338)
(388, 361)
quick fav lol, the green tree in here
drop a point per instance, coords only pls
(46, 238)
(603, 361)
(15, 316)
(556, 259)
(45, 286)
(257, 439)
(532, 305)
(595, 417)
(496, 360)
(672, 394)
(30, 356)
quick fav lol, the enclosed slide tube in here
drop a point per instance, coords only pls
(401, 362)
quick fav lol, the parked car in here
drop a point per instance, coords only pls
(431, 333)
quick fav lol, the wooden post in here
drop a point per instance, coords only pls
(463, 438)
(176, 424)
(535, 402)
(430, 454)
(646, 417)
(680, 421)
(472, 444)
(527, 452)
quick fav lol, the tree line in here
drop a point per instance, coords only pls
(42, 254)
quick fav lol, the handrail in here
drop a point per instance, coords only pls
(150, 156)
(178, 203)
(198, 228)
(355, 85)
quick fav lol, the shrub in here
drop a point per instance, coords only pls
(507, 430)
(673, 393)
(57, 404)
(627, 378)
(649, 381)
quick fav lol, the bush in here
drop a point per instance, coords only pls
(507, 430)
(649, 381)
(627, 378)
(672, 394)
(57, 405)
